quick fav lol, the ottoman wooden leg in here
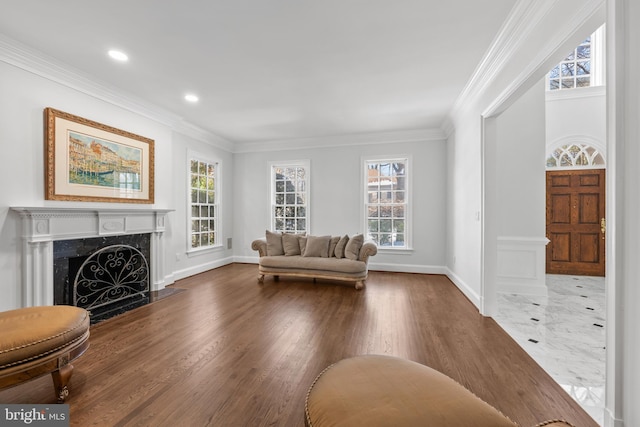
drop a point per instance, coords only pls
(61, 378)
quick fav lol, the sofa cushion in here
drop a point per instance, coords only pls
(291, 244)
(274, 243)
(352, 250)
(342, 243)
(317, 246)
(332, 246)
(298, 263)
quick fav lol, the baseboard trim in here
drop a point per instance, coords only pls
(472, 295)
(201, 268)
(407, 268)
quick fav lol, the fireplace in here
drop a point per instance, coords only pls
(61, 246)
(105, 275)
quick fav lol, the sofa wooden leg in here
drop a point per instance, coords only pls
(261, 278)
(276, 278)
(61, 378)
(359, 284)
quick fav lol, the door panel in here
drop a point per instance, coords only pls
(575, 206)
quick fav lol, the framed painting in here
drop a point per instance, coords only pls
(88, 161)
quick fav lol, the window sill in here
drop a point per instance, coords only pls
(202, 251)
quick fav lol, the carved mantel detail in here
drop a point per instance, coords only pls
(41, 226)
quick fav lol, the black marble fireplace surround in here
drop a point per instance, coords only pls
(70, 255)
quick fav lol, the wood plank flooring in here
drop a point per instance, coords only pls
(230, 352)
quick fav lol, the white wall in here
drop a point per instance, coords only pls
(25, 95)
(520, 190)
(577, 116)
(623, 211)
(521, 165)
(336, 198)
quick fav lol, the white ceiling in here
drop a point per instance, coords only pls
(273, 69)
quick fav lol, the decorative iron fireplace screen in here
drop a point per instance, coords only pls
(109, 276)
(106, 275)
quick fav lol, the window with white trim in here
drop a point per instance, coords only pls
(387, 202)
(582, 67)
(290, 197)
(204, 217)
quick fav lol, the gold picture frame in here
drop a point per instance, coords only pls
(87, 161)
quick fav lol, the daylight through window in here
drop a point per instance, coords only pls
(386, 202)
(204, 204)
(289, 197)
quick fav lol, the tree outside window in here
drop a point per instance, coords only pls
(386, 202)
(204, 204)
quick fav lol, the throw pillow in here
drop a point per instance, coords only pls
(274, 244)
(342, 243)
(352, 250)
(332, 246)
(317, 246)
(302, 241)
(290, 244)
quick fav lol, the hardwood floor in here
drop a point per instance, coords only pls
(230, 352)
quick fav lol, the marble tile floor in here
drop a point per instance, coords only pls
(564, 333)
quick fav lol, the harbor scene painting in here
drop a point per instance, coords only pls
(94, 161)
(88, 161)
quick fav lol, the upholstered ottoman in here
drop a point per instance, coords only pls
(41, 340)
(380, 391)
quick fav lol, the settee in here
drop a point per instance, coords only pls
(342, 258)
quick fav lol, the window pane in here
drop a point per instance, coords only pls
(386, 185)
(568, 69)
(554, 84)
(289, 193)
(567, 83)
(583, 68)
(583, 82)
(583, 51)
(203, 198)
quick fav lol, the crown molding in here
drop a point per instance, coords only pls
(42, 65)
(519, 25)
(524, 17)
(391, 137)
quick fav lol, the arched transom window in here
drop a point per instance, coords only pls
(575, 155)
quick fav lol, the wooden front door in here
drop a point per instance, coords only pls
(575, 220)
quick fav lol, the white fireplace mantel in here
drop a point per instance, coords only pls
(41, 226)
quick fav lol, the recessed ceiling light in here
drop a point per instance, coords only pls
(118, 55)
(191, 97)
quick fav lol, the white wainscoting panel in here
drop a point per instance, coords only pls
(521, 265)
